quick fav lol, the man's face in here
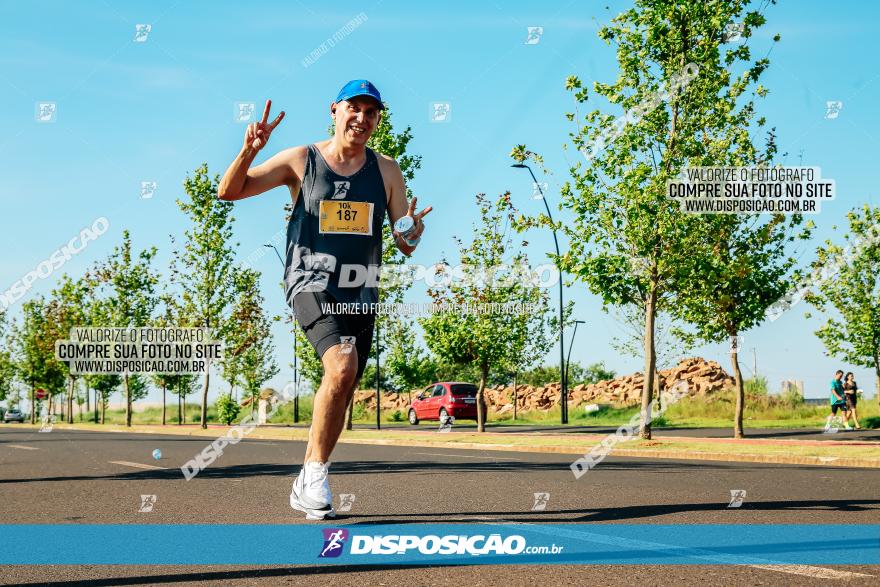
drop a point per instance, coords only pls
(838, 376)
(356, 119)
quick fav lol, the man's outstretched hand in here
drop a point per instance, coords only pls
(257, 134)
(417, 217)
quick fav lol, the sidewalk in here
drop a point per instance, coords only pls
(836, 453)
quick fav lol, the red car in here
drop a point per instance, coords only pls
(446, 398)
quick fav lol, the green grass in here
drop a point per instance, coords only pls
(153, 415)
(762, 411)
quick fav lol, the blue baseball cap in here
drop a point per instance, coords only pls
(360, 87)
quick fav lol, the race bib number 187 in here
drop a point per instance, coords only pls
(346, 217)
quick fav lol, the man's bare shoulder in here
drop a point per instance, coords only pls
(296, 158)
(298, 153)
(386, 162)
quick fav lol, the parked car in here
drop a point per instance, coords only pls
(447, 398)
(13, 415)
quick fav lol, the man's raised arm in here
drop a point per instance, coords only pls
(240, 181)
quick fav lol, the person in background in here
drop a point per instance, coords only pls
(838, 401)
(850, 389)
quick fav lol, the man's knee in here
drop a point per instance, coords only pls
(340, 371)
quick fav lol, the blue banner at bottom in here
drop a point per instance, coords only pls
(440, 544)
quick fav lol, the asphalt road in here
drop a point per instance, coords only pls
(93, 477)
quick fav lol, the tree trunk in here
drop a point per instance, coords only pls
(163, 403)
(127, 402)
(514, 396)
(205, 400)
(658, 396)
(33, 415)
(740, 396)
(88, 393)
(103, 407)
(184, 410)
(70, 383)
(179, 409)
(650, 364)
(348, 413)
(481, 401)
(877, 382)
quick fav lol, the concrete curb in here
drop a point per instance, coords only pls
(689, 455)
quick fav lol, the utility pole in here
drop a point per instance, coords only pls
(378, 392)
(563, 391)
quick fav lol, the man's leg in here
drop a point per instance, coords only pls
(331, 400)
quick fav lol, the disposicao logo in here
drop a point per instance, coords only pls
(444, 545)
(334, 540)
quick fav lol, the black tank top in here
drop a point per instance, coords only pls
(334, 236)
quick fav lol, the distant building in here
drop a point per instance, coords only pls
(791, 386)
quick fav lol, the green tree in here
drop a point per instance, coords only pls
(577, 374)
(845, 280)
(105, 385)
(743, 271)
(740, 265)
(8, 366)
(671, 342)
(99, 313)
(236, 332)
(309, 365)
(250, 330)
(369, 378)
(35, 352)
(227, 409)
(67, 308)
(492, 340)
(468, 373)
(407, 364)
(182, 386)
(204, 267)
(129, 283)
(683, 106)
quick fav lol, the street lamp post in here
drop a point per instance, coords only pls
(563, 399)
(295, 372)
(570, 345)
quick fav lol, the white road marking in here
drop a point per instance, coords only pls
(711, 557)
(137, 465)
(22, 447)
(808, 571)
(439, 454)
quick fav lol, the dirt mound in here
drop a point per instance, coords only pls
(702, 377)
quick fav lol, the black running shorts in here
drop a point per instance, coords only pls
(840, 406)
(318, 314)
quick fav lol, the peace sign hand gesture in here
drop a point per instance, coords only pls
(417, 217)
(257, 134)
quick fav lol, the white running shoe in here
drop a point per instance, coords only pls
(311, 492)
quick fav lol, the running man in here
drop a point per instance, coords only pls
(341, 191)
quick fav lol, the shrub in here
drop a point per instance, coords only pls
(227, 409)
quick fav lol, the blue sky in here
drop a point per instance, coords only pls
(129, 112)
